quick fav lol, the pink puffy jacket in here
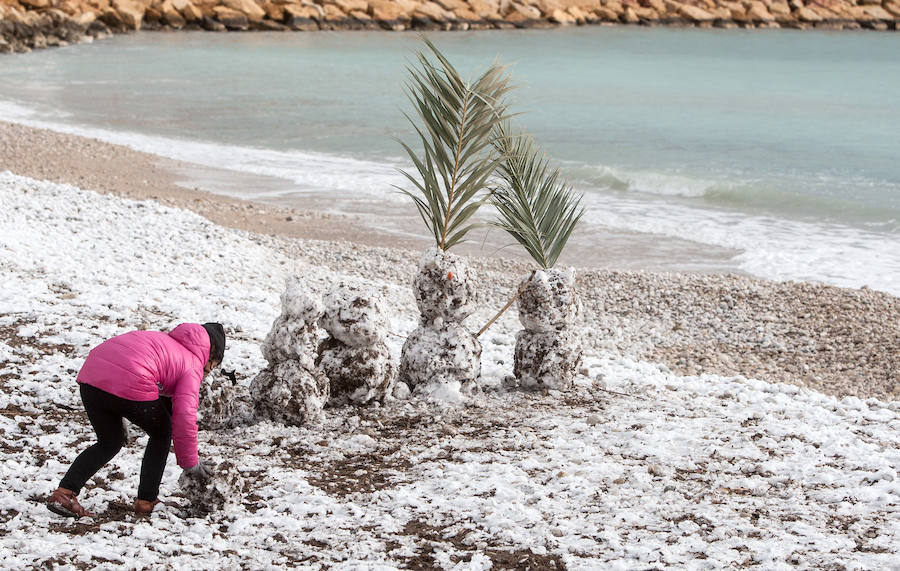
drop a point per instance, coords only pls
(141, 365)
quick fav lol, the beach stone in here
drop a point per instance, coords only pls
(443, 287)
(355, 315)
(444, 354)
(548, 301)
(547, 359)
(224, 488)
(357, 375)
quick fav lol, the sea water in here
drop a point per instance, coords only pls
(779, 147)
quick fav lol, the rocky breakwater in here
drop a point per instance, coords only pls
(28, 24)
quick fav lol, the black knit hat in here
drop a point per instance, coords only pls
(216, 341)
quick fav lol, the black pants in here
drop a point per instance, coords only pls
(105, 411)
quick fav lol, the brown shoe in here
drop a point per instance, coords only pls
(64, 502)
(144, 507)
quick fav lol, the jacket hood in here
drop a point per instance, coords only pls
(194, 338)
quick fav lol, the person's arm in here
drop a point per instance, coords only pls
(184, 418)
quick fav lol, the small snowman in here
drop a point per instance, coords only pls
(355, 356)
(291, 389)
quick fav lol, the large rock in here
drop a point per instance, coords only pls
(486, 9)
(129, 12)
(274, 12)
(806, 14)
(524, 10)
(562, 17)
(171, 16)
(695, 14)
(349, 6)
(387, 11)
(303, 18)
(757, 12)
(333, 13)
(247, 7)
(192, 13)
(877, 13)
(433, 11)
(452, 5)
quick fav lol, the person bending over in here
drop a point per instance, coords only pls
(153, 379)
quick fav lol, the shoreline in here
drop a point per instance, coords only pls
(842, 342)
(37, 24)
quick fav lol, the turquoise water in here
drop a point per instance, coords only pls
(782, 145)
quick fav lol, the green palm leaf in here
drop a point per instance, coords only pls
(535, 205)
(456, 125)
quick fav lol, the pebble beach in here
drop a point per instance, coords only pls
(843, 342)
(717, 420)
(723, 393)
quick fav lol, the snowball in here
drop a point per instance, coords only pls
(218, 399)
(357, 374)
(443, 287)
(547, 359)
(355, 315)
(221, 489)
(294, 334)
(290, 393)
(299, 303)
(447, 355)
(291, 338)
(549, 301)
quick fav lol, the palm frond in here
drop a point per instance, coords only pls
(535, 205)
(456, 122)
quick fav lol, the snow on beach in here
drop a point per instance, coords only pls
(682, 471)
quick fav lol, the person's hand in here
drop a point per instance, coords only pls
(201, 470)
